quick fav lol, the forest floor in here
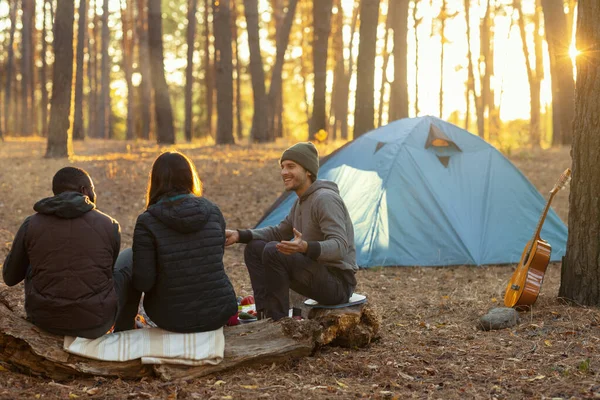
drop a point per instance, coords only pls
(429, 345)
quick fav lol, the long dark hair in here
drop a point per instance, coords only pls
(172, 173)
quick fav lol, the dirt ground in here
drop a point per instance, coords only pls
(429, 345)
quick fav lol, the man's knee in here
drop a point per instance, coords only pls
(254, 249)
(274, 259)
(270, 251)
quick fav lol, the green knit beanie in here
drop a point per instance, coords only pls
(304, 154)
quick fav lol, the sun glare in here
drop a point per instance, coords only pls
(573, 52)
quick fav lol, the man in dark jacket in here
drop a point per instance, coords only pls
(65, 253)
(311, 251)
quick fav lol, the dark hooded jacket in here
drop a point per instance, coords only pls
(178, 247)
(66, 254)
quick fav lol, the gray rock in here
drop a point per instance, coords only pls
(498, 318)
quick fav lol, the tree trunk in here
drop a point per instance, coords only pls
(189, 69)
(9, 67)
(493, 123)
(93, 97)
(238, 72)
(485, 62)
(32, 69)
(78, 132)
(536, 105)
(365, 68)
(27, 348)
(303, 76)
(103, 103)
(224, 71)
(322, 28)
(571, 6)
(165, 131)
(128, 40)
(283, 38)
(1, 117)
(399, 87)
(442, 17)
(534, 80)
(345, 95)
(417, 22)
(1, 102)
(580, 278)
(59, 141)
(145, 88)
(389, 23)
(27, 103)
(561, 71)
(470, 73)
(52, 5)
(278, 116)
(44, 73)
(277, 7)
(259, 131)
(339, 70)
(209, 69)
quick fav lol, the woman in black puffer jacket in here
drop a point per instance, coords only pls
(178, 246)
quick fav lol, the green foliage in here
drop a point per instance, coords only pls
(584, 366)
(512, 135)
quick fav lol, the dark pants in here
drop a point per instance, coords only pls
(129, 298)
(273, 273)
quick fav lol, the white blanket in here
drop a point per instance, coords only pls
(153, 346)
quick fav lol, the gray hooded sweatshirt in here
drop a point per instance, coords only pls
(323, 219)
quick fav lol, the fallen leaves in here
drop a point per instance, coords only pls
(92, 391)
(139, 394)
(250, 387)
(406, 376)
(341, 384)
(536, 378)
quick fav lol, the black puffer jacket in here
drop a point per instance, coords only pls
(66, 254)
(178, 247)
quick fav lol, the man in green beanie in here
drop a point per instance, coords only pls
(311, 251)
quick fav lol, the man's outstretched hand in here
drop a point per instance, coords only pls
(231, 237)
(297, 245)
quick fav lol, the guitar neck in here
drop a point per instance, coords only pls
(538, 229)
(563, 180)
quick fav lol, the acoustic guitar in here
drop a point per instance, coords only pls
(524, 285)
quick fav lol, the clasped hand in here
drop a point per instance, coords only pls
(297, 245)
(231, 237)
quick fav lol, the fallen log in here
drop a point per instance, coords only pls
(261, 342)
(28, 349)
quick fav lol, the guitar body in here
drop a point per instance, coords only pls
(524, 286)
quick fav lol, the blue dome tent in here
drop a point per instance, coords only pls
(423, 192)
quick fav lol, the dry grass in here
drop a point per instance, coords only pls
(429, 346)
